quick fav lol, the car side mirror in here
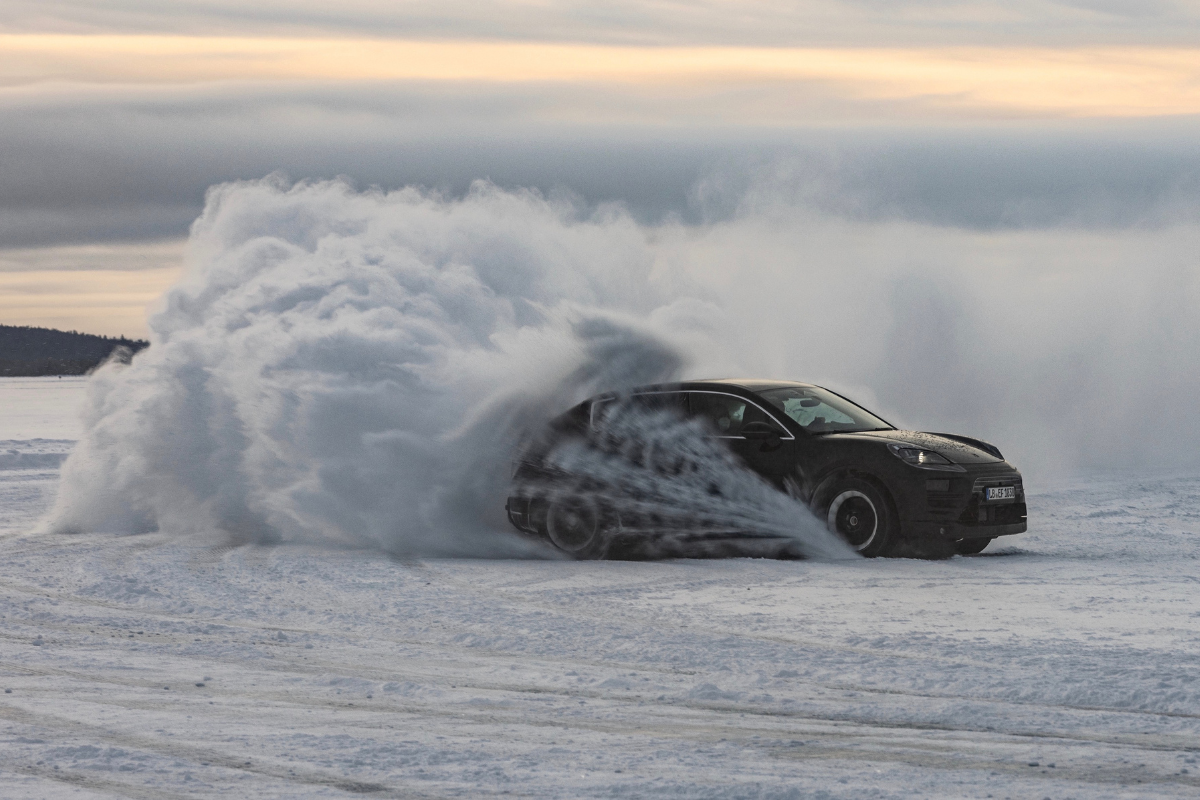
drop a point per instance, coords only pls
(759, 431)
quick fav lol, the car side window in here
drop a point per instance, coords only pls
(725, 414)
(600, 408)
(657, 402)
(650, 402)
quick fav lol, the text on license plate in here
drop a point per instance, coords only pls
(1000, 493)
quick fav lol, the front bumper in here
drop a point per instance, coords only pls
(953, 531)
(955, 507)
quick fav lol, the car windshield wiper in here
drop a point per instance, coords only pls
(852, 430)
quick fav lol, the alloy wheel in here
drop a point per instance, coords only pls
(572, 525)
(853, 517)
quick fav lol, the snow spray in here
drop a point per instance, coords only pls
(664, 486)
(357, 368)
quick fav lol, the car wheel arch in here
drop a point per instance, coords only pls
(821, 495)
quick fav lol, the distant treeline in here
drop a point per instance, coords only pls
(29, 352)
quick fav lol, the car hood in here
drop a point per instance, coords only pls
(959, 449)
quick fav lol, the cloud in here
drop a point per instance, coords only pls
(133, 164)
(655, 22)
(715, 83)
(122, 256)
(1031, 177)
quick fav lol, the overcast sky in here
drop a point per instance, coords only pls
(852, 23)
(977, 116)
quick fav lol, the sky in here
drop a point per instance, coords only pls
(989, 119)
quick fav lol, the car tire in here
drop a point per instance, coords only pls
(576, 526)
(969, 547)
(860, 514)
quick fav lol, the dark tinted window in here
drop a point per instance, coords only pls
(725, 414)
(573, 421)
(674, 402)
(648, 403)
(819, 410)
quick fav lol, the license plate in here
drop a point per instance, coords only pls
(1000, 493)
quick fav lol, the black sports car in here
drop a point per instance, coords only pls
(875, 486)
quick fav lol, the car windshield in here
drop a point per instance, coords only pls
(818, 410)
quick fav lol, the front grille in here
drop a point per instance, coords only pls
(998, 480)
(1005, 513)
(943, 501)
(980, 512)
(945, 497)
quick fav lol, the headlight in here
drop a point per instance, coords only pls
(923, 459)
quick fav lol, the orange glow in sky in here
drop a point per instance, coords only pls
(1052, 82)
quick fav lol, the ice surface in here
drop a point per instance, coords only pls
(41, 408)
(39, 422)
(1060, 663)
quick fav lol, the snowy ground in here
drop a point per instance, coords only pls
(1062, 664)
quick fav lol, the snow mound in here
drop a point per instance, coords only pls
(35, 454)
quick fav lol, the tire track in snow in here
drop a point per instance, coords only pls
(468, 687)
(827, 742)
(197, 753)
(573, 612)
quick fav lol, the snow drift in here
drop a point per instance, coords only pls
(358, 367)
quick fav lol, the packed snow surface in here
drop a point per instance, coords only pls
(41, 408)
(1060, 663)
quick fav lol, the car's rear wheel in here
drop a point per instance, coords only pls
(861, 515)
(969, 547)
(575, 526)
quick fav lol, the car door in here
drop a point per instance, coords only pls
(726, 415)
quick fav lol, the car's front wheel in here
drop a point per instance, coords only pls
(861, 515)
(576, 526)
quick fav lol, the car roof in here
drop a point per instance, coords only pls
(747, 384)
(754, 384)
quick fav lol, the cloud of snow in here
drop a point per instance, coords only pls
(677, 491)
(1071, 348)
(358, 367)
